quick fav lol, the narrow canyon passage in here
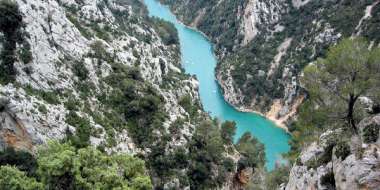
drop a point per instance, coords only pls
(198, 59)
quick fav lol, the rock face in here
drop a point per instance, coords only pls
(64, 38)
(265, 44)
(330, 164)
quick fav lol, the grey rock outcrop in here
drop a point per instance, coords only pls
(329, 165)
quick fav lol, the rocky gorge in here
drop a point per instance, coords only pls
(263, 46)
(92, 80)
(103, 74)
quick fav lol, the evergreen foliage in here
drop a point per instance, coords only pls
(13, 179)
(10, 26)
(62, 166)
(335, 83)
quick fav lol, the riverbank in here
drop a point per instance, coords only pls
(230, 97)
(280, 123)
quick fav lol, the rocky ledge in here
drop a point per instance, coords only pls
(334, 163)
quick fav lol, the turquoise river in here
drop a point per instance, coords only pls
(198, 59)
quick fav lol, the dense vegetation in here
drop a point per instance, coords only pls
(13, 43)
(62, 166)
(10, 25)
(166, 31)
(218, 22)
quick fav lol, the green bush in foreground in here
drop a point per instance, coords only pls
(62, 166)
(13, 179)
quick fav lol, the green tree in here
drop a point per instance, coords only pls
(10, 24)
(252, 150)
(228, 131)
(206, 153)
(349, 71)
(24, 161)
(275, 178)
(61, 166)
(13, 179)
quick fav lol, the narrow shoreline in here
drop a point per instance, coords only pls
(277, 122)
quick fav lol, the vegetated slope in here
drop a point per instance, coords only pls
(103, 74)
(264, 45)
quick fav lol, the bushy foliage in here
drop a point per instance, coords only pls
(190, 107)
(275, 178)
(205, 152)
(13, 179)
(228, 131)
(252, 150)
(371, 133)
(328, 180)
(51, 97)
(81, 138)
(10, 26)
(61, 166)
(24, 161)
(335, 83)
(342, 150)
(166, 31)
(139, 103)
(80, 70)
(25, 54)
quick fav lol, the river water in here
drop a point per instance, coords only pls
(198, 59)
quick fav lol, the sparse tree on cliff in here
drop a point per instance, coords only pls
(335, 83)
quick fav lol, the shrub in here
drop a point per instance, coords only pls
(51, 97)
(186, 103)
(24, 161)
(25, 53)
(328, 180)
(371, 133)
(12, 178)
(80, 70)
(228, 131)
(342, 150)
(61, 166)
(275, 178)
(83, 130)
(99, 51)
(42, 108)
(322, 159)
(72, 104)
(252, 150)
(10, 25)
(166, 31)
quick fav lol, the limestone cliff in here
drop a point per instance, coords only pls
(64, 34)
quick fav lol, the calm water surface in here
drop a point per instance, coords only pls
(198, 59)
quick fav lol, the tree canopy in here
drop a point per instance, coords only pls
(335, 83)
(12, 178)
(62, 166)
(252, 150)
